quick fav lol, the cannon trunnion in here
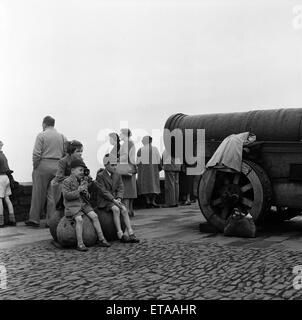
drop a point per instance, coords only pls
(271, 170)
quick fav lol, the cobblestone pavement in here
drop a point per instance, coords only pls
(171, 266)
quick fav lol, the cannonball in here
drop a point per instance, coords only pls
(54, 221)
(89, 233)
(66, 233)
(107, 224)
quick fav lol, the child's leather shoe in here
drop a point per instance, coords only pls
(82, 247)
(124, 239)
(133, 239)
(103, 243)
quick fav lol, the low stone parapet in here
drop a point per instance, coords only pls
(21, 199)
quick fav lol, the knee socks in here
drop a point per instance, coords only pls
(98, 228)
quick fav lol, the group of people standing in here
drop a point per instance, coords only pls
(147, 162)
(53, 156)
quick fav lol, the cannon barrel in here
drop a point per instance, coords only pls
(267, 125)
(270, 173)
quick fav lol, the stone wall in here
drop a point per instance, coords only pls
(21, 199)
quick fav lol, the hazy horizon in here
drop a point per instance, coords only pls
(91, 64)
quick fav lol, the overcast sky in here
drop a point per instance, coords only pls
(93, 63)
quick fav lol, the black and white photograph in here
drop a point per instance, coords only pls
(150, 153)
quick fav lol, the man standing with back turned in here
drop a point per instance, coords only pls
(49, 148)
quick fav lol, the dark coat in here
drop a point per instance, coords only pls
(4, 168)
(109, 188)
(148, 168)
(128, 155)
(73, 201)
(63, 169)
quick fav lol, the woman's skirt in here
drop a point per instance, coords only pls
(130, 190)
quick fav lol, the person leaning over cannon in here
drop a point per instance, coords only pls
(76, 202)
(110, 194)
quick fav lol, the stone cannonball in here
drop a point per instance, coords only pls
(54, 221)
(66, 233)
(107, 224)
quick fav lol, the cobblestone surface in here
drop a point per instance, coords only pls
(173, 261)
(152, 269)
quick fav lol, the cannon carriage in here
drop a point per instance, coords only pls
(271, 173)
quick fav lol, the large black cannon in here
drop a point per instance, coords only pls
(272, 166)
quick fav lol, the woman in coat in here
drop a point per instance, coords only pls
(148, 168)
(5, 189)
(127, 155)
(115, 142)
(74, 150)
(172, 168)
(114, 153)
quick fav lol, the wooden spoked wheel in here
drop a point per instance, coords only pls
(220, 190)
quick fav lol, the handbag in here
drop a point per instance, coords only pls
(239, 225)
(13, 184)
(126, 169)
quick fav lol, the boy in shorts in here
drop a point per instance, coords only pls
(75, 194)
(110, 194)
(5, 190)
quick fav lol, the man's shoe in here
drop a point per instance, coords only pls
(12, 223)
(155, 205)
(81, 247)
(133, 239)
(148, 206)
(103, 243)
(32, 224)
(124, 239)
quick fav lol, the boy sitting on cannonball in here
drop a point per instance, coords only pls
(110, 194)
(75, 194)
